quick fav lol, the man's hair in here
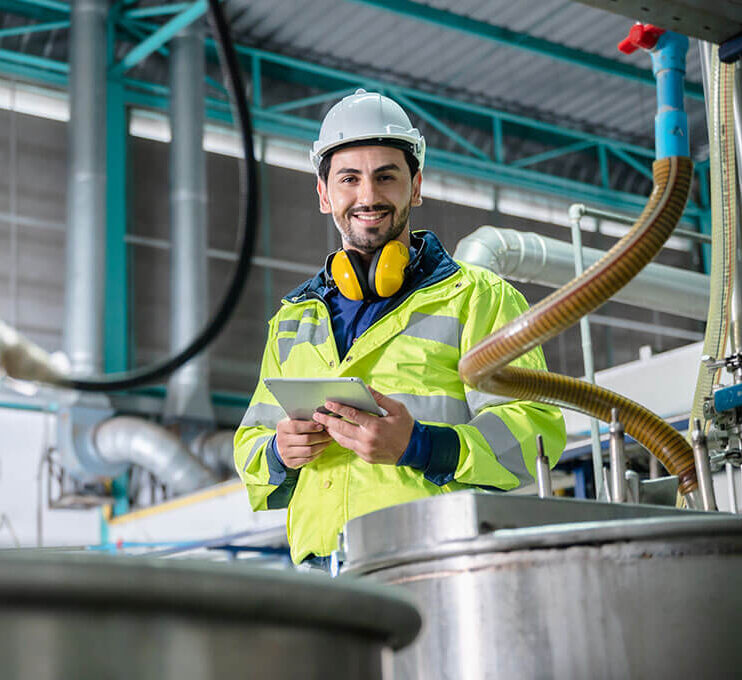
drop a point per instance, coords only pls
(324, 165)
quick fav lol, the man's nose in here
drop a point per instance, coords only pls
(367, 192)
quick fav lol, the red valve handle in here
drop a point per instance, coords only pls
(640, 35)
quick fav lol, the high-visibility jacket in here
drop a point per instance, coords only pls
(411, 354)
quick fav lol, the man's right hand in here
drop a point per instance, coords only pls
(300, 441)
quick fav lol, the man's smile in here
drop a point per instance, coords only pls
(370, 219)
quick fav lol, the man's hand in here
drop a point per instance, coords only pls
(300, 441)
(374, 439)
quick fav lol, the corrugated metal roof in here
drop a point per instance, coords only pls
(374, 40)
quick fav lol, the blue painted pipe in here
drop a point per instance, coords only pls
(671, 122)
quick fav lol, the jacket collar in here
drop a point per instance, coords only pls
(431, 264)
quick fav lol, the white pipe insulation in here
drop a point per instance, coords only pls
(532, 258)
(124, 439)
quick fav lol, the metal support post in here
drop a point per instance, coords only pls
(86, 191)
(576, 211)
(188, 388)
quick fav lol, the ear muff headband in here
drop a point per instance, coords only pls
(386, 273)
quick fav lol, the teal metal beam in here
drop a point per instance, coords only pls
(116, 310)
(257, 82)
(309, 101)
(605, 174)
(23, 9)
(160, 37)
(158, 10)
(550, 154)
(21, 71)
(498, 147)
(46, 4)
(463, 24)
(33, 28)
(441, 127)
(632, 162)
(32, 61)
(139, 34)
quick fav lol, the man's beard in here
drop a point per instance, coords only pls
(370, 240)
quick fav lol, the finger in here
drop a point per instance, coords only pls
(307, 439)
(334, 426)
(357, 416)
(345, 441)
(303, 455)
(301, 426)
(387, 403)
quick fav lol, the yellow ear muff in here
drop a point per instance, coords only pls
(387, 271)
(348, 281)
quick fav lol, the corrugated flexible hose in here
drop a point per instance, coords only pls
(485, 367)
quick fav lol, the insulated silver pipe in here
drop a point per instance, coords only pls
(188, 388)
(532, 258)
(86, 188)
(125, 439)
(543, 472)
(703, 468)
(215, 449)
(618, 459)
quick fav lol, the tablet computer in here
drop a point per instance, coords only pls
(301, 397)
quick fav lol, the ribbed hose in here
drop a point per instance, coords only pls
(485, 367)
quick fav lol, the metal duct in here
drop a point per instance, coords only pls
(188, 388)
(125, 439)
(86, 189)
(531, 258)
(216, 450)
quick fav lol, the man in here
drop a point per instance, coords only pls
(394, 309)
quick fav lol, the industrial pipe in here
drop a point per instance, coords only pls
(188, 388)
(532, 258)
(125, 439)
(86, 189)
(215, 449)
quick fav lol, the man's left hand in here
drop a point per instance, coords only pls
(375, 439)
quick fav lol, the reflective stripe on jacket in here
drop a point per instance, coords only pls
(411, 354)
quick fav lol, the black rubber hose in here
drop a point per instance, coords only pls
(159, 370)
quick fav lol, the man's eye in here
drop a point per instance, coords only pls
(348, 179)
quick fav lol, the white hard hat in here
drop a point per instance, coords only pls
(366, 115)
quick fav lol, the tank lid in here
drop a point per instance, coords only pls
(453, 523)
(201, 589)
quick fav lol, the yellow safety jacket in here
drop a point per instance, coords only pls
(411, 354)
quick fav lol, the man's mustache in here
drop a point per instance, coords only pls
(370, 208)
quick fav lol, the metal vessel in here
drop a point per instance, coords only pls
(520, 587)
(80, 617)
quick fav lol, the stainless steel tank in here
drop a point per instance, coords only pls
(71, 617)
(518, 587)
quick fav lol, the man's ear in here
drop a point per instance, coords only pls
(324, 201)
(417, 198)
